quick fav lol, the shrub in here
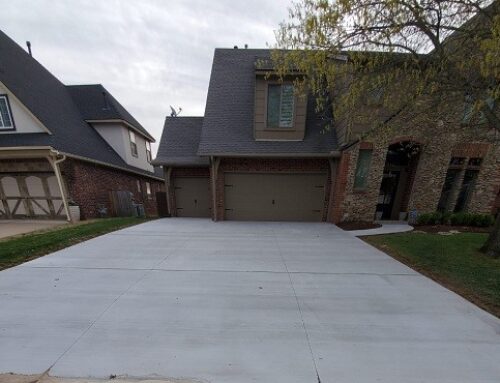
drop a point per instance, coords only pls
(469, 219)
(456, 219)
(430, 218)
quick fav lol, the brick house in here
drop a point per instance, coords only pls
(261, 152)
(64, 144)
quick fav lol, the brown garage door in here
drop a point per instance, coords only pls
(30, 196)
(274, 197)
(192, 196)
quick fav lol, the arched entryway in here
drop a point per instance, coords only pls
(397, 181)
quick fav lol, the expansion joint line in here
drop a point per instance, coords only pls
(133, 284)
(300, 310)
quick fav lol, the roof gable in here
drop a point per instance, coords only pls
(96, 103)
(50, 102)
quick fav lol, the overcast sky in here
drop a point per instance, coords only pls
(149, 54)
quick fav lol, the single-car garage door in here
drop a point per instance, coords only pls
(192, 196)
(274, 197)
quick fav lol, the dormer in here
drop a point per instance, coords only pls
(114, 124)
(279, 109)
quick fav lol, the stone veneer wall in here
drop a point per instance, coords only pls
(437, 148)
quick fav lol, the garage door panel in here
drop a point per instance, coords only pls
(274, 197)
(30, 195)
(192, 196)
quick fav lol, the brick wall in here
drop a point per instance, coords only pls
(89, 185)
(251, 165)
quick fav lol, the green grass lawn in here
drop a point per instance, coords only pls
(23, 248)
(454, 261)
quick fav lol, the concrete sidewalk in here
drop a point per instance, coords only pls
(239, 302)
(9, 228)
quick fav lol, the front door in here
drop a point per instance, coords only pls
(387, 195)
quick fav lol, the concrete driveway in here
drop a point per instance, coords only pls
(239, 302)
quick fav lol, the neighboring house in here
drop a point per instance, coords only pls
(262, 152)
(62, 144)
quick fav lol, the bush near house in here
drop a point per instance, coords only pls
(456, 219)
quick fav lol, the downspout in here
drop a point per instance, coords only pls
(333, 182)
(214, 162)
(55, 164)
(168, 175)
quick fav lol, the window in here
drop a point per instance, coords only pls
(466, 190)
(148, 151)
(148, 190)
(362, 169)
(459, 183)
(451, 178)
(280, 106)
(139, 189)
(133, 144)
(6, 122)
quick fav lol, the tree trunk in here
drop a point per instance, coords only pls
(492, 246)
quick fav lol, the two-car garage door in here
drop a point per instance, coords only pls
(274, 197)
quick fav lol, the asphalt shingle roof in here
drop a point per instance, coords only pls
(229, 113)
(96, 103)
(50, 101)
(179, 142)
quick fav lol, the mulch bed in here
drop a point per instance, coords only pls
(358, 225)
(446, 228)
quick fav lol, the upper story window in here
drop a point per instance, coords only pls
(148, 151)
(280, 106)
(6, 121)
(133, 144)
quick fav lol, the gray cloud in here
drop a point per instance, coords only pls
(150, 53)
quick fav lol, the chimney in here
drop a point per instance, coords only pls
(28, 44)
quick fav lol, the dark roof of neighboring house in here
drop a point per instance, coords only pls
(229, 113)
(96, 103)
(50, 101)
(179, 142)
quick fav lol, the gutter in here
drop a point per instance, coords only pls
(57, 170)
(50, 149)
(86, 159)
(331, 154)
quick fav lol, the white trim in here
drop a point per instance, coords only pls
(119, 120)
(9, 112)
